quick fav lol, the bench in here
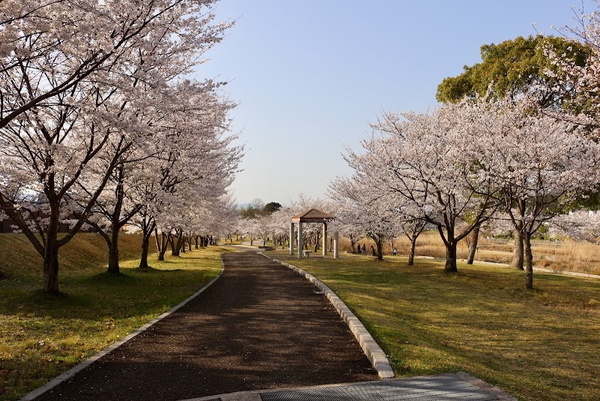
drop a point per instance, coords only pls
(306, 253)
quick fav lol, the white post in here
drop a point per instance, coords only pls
(335, 245)
(300, 240)
(324, 239)
(292, 240)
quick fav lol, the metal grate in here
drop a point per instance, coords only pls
(440, 388)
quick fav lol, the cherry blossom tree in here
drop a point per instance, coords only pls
(412, 228)
(224, 218)
(381, 215)
(581, 225)
(541, 164)
(198, 178)
(73, 76)
(263, 229)
(193, 160)
(427, 160)
(280, 225)
(50, 46)
(580, 81)
(345, 221)
(366, 210)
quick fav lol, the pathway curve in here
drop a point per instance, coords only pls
(259, 326)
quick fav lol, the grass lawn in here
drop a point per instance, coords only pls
(536, 345)
(41, 337)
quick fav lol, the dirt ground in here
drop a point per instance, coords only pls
(259, 326)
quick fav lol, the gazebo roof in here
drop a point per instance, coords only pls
(313, 216)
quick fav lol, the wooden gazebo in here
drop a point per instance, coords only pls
(312, 216)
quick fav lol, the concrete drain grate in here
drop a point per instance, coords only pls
(442, 388)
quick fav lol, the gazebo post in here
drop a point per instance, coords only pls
(292, 240)
(335, 244)
(300, 240)
(324, 239)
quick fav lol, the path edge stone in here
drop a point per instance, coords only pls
(79, 367)
(368, 344)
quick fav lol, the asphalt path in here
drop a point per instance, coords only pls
(259, 326)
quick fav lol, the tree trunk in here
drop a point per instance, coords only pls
(450, 266)
(451, 244)
(411, 252)
(518, 253)
(113, 243)
(182, 243)
(161, 244)
(473, 246)
(145, 251)
(148, 225)
(113, 253)
(175, 244)
(51, 263)
(379, 245)
(113, 259)
(528, 261)
(51, 267)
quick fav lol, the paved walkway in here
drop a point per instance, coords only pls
(259, 326)
(260, 333)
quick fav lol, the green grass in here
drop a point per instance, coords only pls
(41, 336)
(536, 345)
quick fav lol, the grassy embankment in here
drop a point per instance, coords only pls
(536, 345)
(41, 336)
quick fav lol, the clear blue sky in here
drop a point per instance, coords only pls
(309, 76)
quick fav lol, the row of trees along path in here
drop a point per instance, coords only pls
(102, 125)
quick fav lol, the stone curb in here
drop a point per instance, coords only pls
(77, 368)
(368, 344)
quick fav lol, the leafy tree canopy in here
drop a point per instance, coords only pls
(514, 67)
(257, 208)
(271, 208)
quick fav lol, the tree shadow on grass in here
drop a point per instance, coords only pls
(111, 279)
(57, 305)
(151, 269)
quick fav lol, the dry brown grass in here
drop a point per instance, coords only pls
(582, 257)
(573, 256)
